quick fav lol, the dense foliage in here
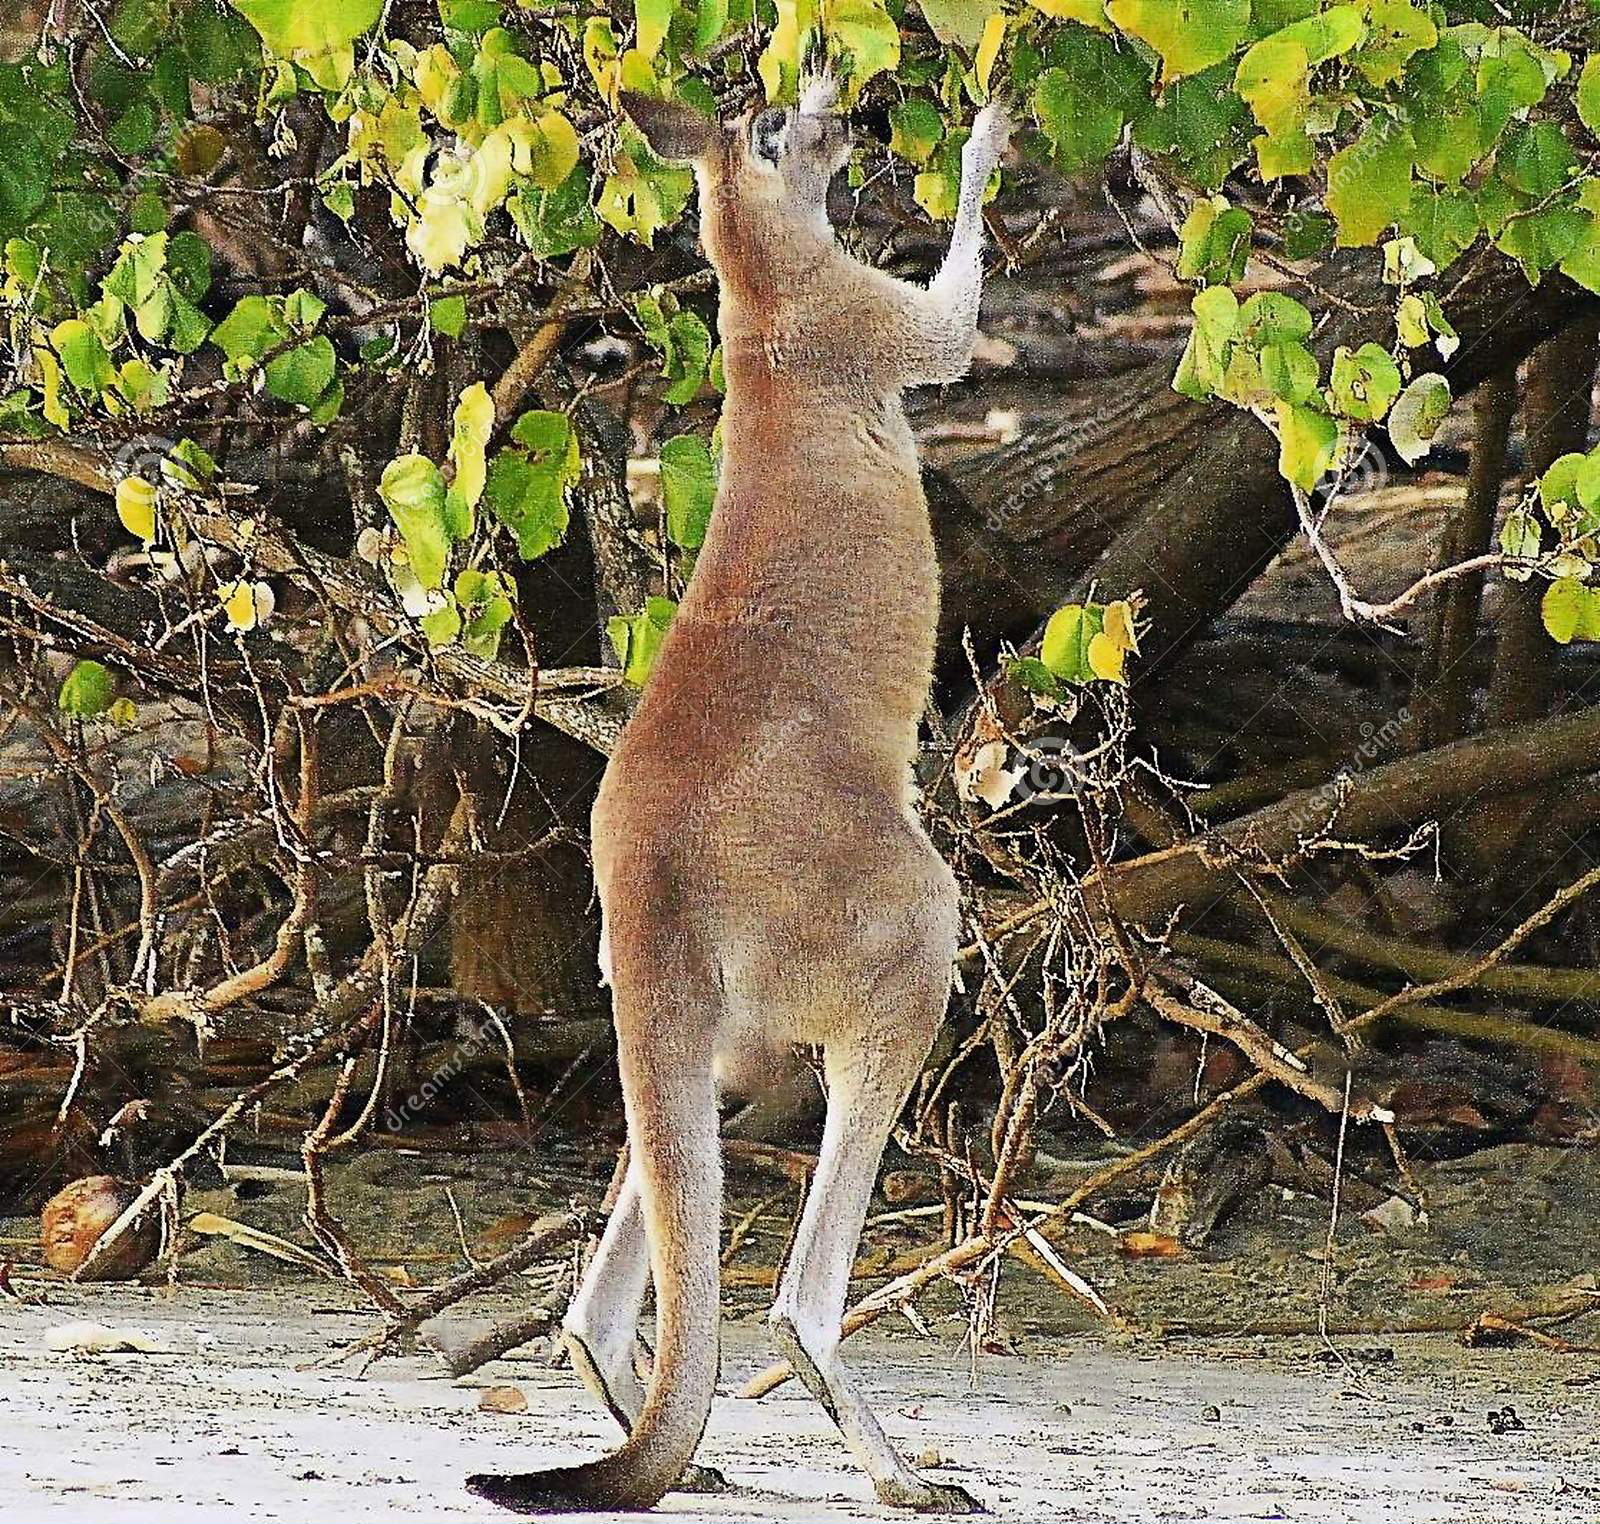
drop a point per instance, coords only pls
(486, 136)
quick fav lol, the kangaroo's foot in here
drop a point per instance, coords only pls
(926, 1497)
(702, 1479)
(528, 1492)
(896, 1484)
(619, 1382)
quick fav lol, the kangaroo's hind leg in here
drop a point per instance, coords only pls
(601, 1327)
(869, 1074)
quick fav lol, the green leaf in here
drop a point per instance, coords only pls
(1520, 536)
(1068, 639)
(1306, 440)
(710, 21)
(957, 23)
(651, 20)
(474, 16)
(250, 330)
(309, 26)
(1364, 382)
(1325, 34)
(688, 489)
(1536, 158)
(442, 625)
(186, 465)
(1444, 224)
(1199, 121)
(487, 600)
(1214, 242)
(1270, 317)
(148, 214)
(638, 637)
(449, 315)
(1558, 487)
(642, 195)
(1449, 131)
(302, 374)
(1273, 79)
(86, 691)
(1570, 611)
(136, 277)
(1189, 35)
(1416, 415)
(187, 326)
(866, 32)
(687, 353)
(1369, 183)
(1306, 235)
(555, 222)
(1541, 239)
(412, 489)
(1082, 100)
(1289, 370)
(135, 130)
(1588, 94)
(529, 480)
(219, 47)
(83, 356)
(24, 179)
(1205, 357)
(189, 264)
(915, 128)
(1398, 31)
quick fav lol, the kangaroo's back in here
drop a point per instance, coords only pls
(763, 876)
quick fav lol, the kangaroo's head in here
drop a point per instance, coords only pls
(763, 176)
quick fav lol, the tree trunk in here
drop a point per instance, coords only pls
(1147, 489)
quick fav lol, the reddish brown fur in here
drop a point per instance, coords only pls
(763, 875)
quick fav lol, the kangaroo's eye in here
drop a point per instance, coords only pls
(768, 133)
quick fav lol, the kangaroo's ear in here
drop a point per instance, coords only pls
(673, 130)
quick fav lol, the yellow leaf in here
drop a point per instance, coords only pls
(136, 507)
(1088, 12)
(442, 232)
(238, 601)
(55, 410)
(489, 173)
(651, 18)
(436, 72)
(636, 72)
(1105, 657)
(546, 150)
(600, 55)
(1119, 626)
(474, 423)
(994, 34)
(779, 65)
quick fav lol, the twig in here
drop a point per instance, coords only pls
(551, 1233)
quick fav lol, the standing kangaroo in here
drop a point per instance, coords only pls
(763, 876)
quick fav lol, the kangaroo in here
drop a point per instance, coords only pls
(764, 880)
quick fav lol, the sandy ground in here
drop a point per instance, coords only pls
(226, 1426)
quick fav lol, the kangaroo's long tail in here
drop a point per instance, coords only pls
(672, 1128)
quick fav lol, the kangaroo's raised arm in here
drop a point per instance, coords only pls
(940, 321)
(764, 876)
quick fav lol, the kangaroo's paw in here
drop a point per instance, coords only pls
(702, 1479)
(530, 1492)
(928, 1497)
